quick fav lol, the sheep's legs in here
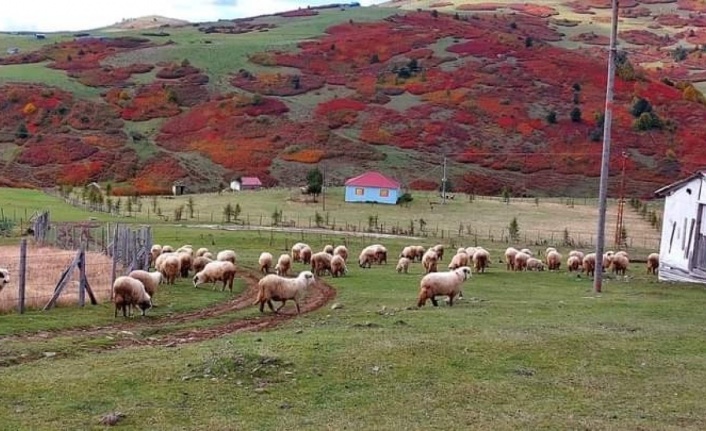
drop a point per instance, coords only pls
(297, 304)
(284, 302)
(451, 300)
(434, 301)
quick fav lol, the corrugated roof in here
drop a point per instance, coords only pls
(250, 181)
(373, 179)
(664, 191)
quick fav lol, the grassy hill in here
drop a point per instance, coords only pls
(511, 93)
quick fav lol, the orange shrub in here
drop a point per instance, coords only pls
(304, 156)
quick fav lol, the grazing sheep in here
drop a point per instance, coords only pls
(418, 252)
(409, 252)
(380, 252)
(200, 252)
(338, 266)
(328, 248)
(275, 288)
(549, 250)
(534, 264)
(227, 256)
(305, 255)
(4, 278)
(442, 283)
(296, 251)
(167, 249)
(186, 249)
(265, 262)
(342, 251)
(520, 261)
(208, 255)
(320, 263)
(366, 257)
(481, 259)
(403, 265)
(607, 259)
(470, 251)
(439, 249)
(460, 259)
(430, 261)
(527, 251)
(652, 263)
(589, 264)
(619, 263)
(186, 260)
(573, 263)
(216, 271)
(150, 280)
(577, 253)
(129, 292)
(155, 251)
(554, 260)
(284, 264)
(622, 253)
(170, 268)
(200, 263)
(510, 254)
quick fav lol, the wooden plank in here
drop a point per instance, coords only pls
(23, 276)
(82, 277)
(114, 264)
(62, 283)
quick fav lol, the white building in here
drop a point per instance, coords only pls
(682, 252)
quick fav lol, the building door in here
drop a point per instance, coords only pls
(699, 257)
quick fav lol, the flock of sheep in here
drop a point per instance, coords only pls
(138, 288)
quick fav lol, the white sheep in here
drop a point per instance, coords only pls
(167, 249)
(186, 260)
(549, 250)
(155, 251)
(128, 293)
(200, 263)
(320, 263)
(510, 254)
(170, 267)
(208, 255)
(481, 259)
(186, 249)
(216, 271)
(442, 283)
(306, 254)
(366, 257)
(573, 263)
(264, 262)
(460, 259)
(439, 249)
(284, 264)
(403, 265)
(338, 266)
(430, 260)
(227, 256)
(418, 252)
(520, 261)
(589, 264)
(380, 253)
(150, 280)
(652, 263)
(4, 278)
(296, 251)
(534, 264)
(409, 252)
(342, 251)
(470, 251)
(275, 288)
(577, 253)
(328, 248)
(553, 259)
(202, 251)
(527, 251)
(619, 263)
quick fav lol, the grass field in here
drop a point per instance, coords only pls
(520, 351)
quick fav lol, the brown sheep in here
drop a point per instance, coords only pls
(338, 266)
(652, 263)
(342, 251)
(573, 263)
(439, 249)
(481, 259)
(185, 262)
(328, 248)
(320, 263)
(589, 264)
(200, 263)
(305, 254)
(619, 263)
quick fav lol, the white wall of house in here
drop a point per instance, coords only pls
(235, 185)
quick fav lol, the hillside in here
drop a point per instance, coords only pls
(511, 93)
(147, 22)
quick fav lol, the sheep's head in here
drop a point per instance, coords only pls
(4, 277)
(145, 305)
(464, 272)
(198, 279)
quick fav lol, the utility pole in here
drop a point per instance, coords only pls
(443, 185)
(605, 157)
(323, 188)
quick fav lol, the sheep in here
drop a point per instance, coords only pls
(510, 254)
(186, 249)
(527, 251)
(620, 263)
(155, 251)
(320, 263)
(607, 259)
(296, 251)
(403, 265)
(216, 271)
(589, 264)
(200, 252)
(284, 264)
(418, 252)
(481, 258)
(305, 255)
(520, 261)
(129, 292)
(4, 278)
(170, 267)
(338, 266)
(200, 263)
(652, 263)
(275, 288)
(380, 253)
(185, 262)
(470, 251)
(573, 263)
(227, 255)
(265, 262)
(534, 264)
(442, 283)
(439, 249)
(150, 280)
(409, 252)
(549, 250)
(553, 260)
(342, 251)
(167, 249)
(577, 253)
(430, 261)
(208, 255)
(366, 258)
(622, 253)
(328, 248)
(460, 259)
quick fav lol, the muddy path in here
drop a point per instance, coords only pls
(126, 333)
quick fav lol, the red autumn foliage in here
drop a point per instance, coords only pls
(277, 84)
(298, 13)
(644, 37)
(692, 5)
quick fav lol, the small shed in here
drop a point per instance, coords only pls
(246, 183)
(372, 186)
(40, 35)
(178, 188)
(682, 252)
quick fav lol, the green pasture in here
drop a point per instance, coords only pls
(38, 73)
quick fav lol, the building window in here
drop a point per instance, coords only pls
(384, 193)
(359, 191)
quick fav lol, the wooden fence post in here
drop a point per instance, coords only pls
(22, 275)
(82, 277)
(114, 255)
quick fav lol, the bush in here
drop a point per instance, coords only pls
(575, 115)
(404, 198)
(639, 106)
(648, 121)
(551, 117)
